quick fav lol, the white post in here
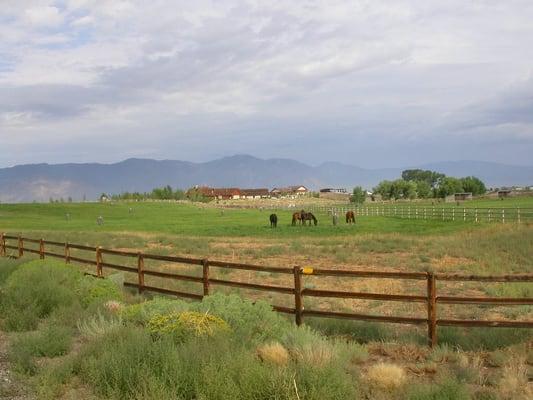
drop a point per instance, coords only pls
(518, 214)
(464, 214)
(475, 211)
(453, 214)
(489, 214)
(503, 215)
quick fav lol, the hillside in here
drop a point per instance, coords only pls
(39, 182)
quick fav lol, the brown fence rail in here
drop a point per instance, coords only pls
(446, 213)
(431, 299)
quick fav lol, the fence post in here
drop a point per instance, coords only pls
(503, 215)
(298, 303)
(432, 309)
(67, 253)
(21, 246)
(464, 214)
(475, 213)
(3, 245)
(41, 249)
(489, 214)
(205, 276)
(443, 214)
(518, 214)
(453, 214)
(140, 271)
(99, 261)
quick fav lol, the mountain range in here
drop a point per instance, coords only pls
(39, 182)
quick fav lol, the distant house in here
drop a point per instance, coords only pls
(219, 193)
(333, 190)
(261, 193)
(289, 191)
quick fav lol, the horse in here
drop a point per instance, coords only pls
(273, 220)
(297, 216)
(307, 216)
(350, 217)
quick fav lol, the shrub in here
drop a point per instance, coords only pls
(52, 341)
(251, 321)
(34, 290)
(187, 324)
(98, 325)
(449, 389)
(141, 313)
(7, 267)
(93, 291)
(386, 376)
(273, 353)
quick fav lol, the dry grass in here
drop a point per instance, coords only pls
(273, 353)
(386, 376)
(514, 384)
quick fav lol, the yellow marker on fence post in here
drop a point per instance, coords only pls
(307, 271)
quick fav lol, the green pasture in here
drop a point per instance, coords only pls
(192, 220)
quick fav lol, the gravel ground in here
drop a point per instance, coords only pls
(10, 388)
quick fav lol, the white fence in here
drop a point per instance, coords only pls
(466, 214)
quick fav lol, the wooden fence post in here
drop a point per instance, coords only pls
(67, 253)
(503, 215)
(21, 246)
(518, 214)
(453, 214)
(298, 303)
(99, 261)
(205, 276)
(3, 245)
(140, 271)
(464, 214)
(432, 308)
(41, 249)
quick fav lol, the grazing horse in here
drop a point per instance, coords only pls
(297, 216)
(307, 216)
(273, 220)
(350, 217)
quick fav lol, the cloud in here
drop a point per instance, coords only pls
(379, 82)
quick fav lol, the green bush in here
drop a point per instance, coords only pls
(250, 321)
(7, 267)
(34, 290)
(187, 324)
(51, 341)
(97, 291)
(449, 389)
(141, 313)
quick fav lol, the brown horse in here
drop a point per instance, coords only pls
(297, 216)
(350, 217)
(307, 216)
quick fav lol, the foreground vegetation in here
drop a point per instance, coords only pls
(74, 336)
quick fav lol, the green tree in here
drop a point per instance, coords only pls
(431, 177)
(384, 188)
(423, 189)
(473, 185)
(358, 195)
(448, 186)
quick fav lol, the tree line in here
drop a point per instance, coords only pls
(160, 193)
(422, 184)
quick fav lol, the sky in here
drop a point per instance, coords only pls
(367, 83)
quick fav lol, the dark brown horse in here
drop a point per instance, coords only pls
(273, 220)
(307, 216)
(350, 217)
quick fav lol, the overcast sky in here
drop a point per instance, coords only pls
(369, 83)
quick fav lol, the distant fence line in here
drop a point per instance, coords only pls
(298, 290)
(452, 213)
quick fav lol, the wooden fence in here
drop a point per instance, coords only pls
(42, 247)
(450, 213)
